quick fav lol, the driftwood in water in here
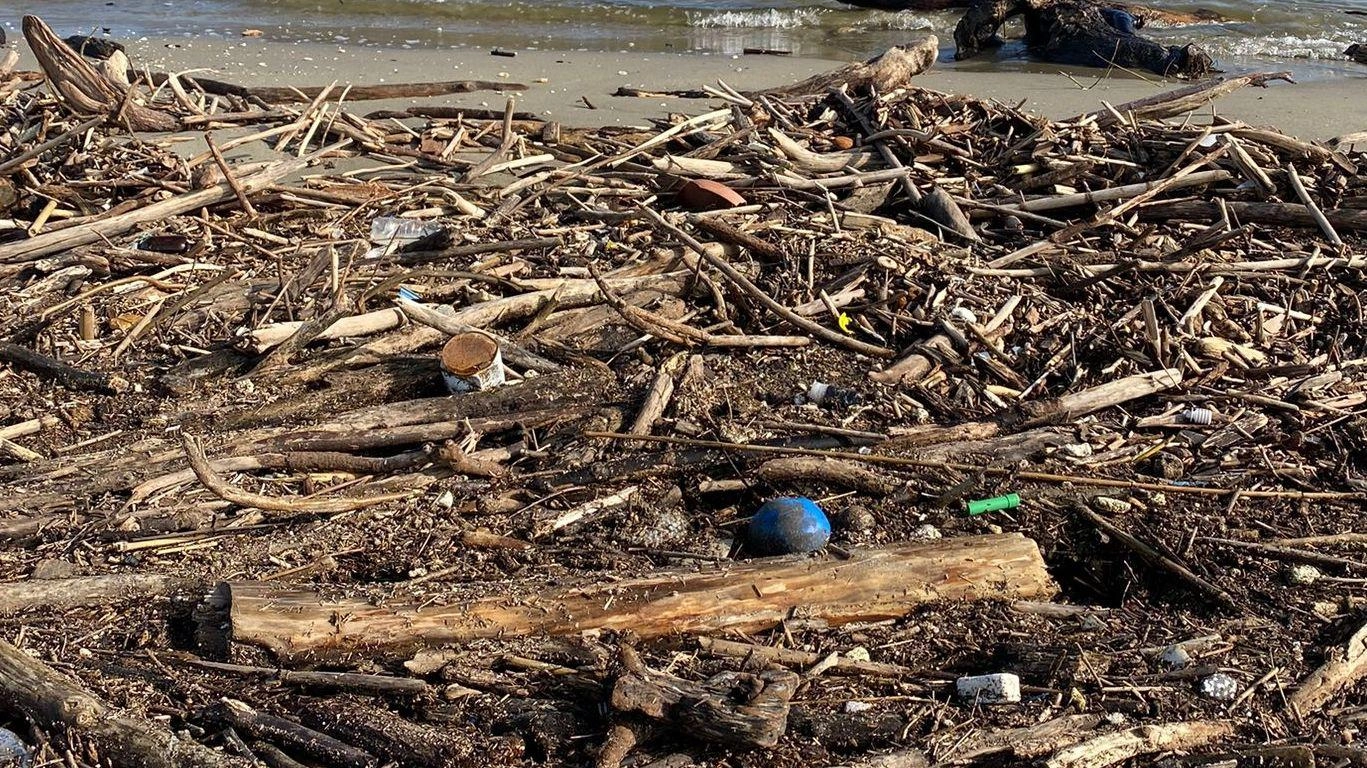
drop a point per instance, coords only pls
(83, 88)
(1141, 13)
(885, 72)
(1077, 33)
(302, 624)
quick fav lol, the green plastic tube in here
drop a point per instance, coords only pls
(994, 504)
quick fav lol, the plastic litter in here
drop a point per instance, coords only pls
(822, 393)
(1201, 416)
(390, 233)
(994, 504)
(1174, 657)
(471, 362)
(1220, 687)
(788, 525)
(14, 753)
(999, 688)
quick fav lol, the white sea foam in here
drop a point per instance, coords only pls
(1280, 46)
(768, 18)
(905, 20)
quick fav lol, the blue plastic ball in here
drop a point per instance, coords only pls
(788, 525)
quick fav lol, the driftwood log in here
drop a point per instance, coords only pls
(305, 625)
(887, 71)
(83, 88)
(1077, 33)
(56, 702)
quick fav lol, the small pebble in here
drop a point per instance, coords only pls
(1075, 450)
(1220, 687)
(855, 707)
(1000, 688)
(1112, 505)
(1303, 575)
(1174, 657)
(859, 519)
(446, 500)
(926, 532)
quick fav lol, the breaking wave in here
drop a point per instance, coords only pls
(768, 18)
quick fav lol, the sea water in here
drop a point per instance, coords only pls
(1307, 36)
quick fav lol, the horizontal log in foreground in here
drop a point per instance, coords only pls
(303, 625)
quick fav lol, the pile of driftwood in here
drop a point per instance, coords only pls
(245, 523)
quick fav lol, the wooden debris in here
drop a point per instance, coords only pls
(875, 584)
(56, 702)
(219, 370)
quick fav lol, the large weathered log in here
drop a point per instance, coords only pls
(56, 702)
(306, 625)
(1276, 214)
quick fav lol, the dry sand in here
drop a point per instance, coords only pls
(560, 81)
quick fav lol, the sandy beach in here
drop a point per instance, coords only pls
(562, 85)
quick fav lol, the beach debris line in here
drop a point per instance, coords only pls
(245, 519)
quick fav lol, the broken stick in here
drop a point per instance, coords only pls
(1343, 668)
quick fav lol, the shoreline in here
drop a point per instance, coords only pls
(561, 84)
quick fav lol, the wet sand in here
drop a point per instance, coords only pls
(560, 82)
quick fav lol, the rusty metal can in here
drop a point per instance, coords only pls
(471, 362)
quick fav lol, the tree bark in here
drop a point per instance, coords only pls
(84, 591)
(308, 626)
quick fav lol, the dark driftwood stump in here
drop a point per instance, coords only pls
(1079, 33)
